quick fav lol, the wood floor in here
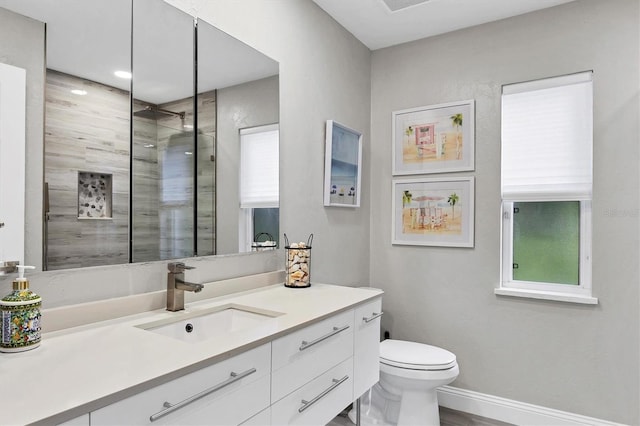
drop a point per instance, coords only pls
(448, 417)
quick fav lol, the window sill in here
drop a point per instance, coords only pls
(546, 295)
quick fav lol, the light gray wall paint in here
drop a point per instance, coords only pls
(324, 74)
(574, 358)
(245, 105)
(24, 47)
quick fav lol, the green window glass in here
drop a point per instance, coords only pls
(546, 242)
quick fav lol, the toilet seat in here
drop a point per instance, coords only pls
(415, 356)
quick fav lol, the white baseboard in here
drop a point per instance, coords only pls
(510, 411)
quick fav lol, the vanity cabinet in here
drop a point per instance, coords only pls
(366, 355)
(305, 377)
(228, 392)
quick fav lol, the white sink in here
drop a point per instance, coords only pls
(193, 327)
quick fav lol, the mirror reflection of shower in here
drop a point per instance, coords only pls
(164, 176)
(152, 112)
(102, 181)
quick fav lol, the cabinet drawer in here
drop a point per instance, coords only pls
(263, 418)
(325, 396)
(78, 421)
(232, 399)
(305, 354)
(366, 369)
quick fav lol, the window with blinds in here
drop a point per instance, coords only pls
(259, 167)
(259, 186)
(546, 185)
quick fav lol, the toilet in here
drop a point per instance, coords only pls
(410, 373)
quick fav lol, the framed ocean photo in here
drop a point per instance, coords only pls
(343, 166)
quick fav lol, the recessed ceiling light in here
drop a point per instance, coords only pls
(79, 92)
(148, 145)
(395, 5)
(123, 74)
(188, 153)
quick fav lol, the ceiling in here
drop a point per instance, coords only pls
(374, 24)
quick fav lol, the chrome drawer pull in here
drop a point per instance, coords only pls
(234, 377)
(336, 330)
(307, 404)
(372, 317)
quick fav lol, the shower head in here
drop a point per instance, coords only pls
(155, 113)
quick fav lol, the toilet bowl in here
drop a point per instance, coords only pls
(410, 373)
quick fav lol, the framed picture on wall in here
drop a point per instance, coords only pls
(434, 139)
(342, 166)
(433, 212)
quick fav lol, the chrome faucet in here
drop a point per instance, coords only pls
(176, 286)
(8, 266)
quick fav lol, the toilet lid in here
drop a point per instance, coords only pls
(416, 356)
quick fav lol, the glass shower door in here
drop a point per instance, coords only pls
(163, 145)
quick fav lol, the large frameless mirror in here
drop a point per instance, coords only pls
(147, 168)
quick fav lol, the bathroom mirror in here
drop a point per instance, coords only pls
(111, 198)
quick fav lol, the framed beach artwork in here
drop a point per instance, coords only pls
(434, 139)
(342, 167)
(433, 212)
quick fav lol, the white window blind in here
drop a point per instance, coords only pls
(547, 138)
(259, 167)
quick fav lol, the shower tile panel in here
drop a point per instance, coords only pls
(95, 195)
(85, 133)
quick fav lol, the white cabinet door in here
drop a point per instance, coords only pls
(228, 392)
(366, 368)
(263, 418)
(324, 397)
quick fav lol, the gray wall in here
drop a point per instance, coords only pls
(569, 357)
(245, 105)
(24, 47)
(85, 134)
(324, 74)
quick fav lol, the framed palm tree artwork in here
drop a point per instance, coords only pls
(434, 139)
(433, 212)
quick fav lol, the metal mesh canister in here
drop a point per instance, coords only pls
(297, 263)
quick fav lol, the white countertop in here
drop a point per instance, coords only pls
(79, 370)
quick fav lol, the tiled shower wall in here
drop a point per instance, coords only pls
(87, 133)
(171, 169)
(91, 134)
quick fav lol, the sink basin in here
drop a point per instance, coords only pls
(213, 323)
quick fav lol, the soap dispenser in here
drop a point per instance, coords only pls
(20, 316)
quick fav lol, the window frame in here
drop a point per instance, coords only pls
(581, 293)
(582, 290)
(245, 214)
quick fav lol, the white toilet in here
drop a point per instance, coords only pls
(406, 395)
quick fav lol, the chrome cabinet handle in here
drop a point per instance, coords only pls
(372, 317)
(169, 408)
(307, 404)
(336, 330)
